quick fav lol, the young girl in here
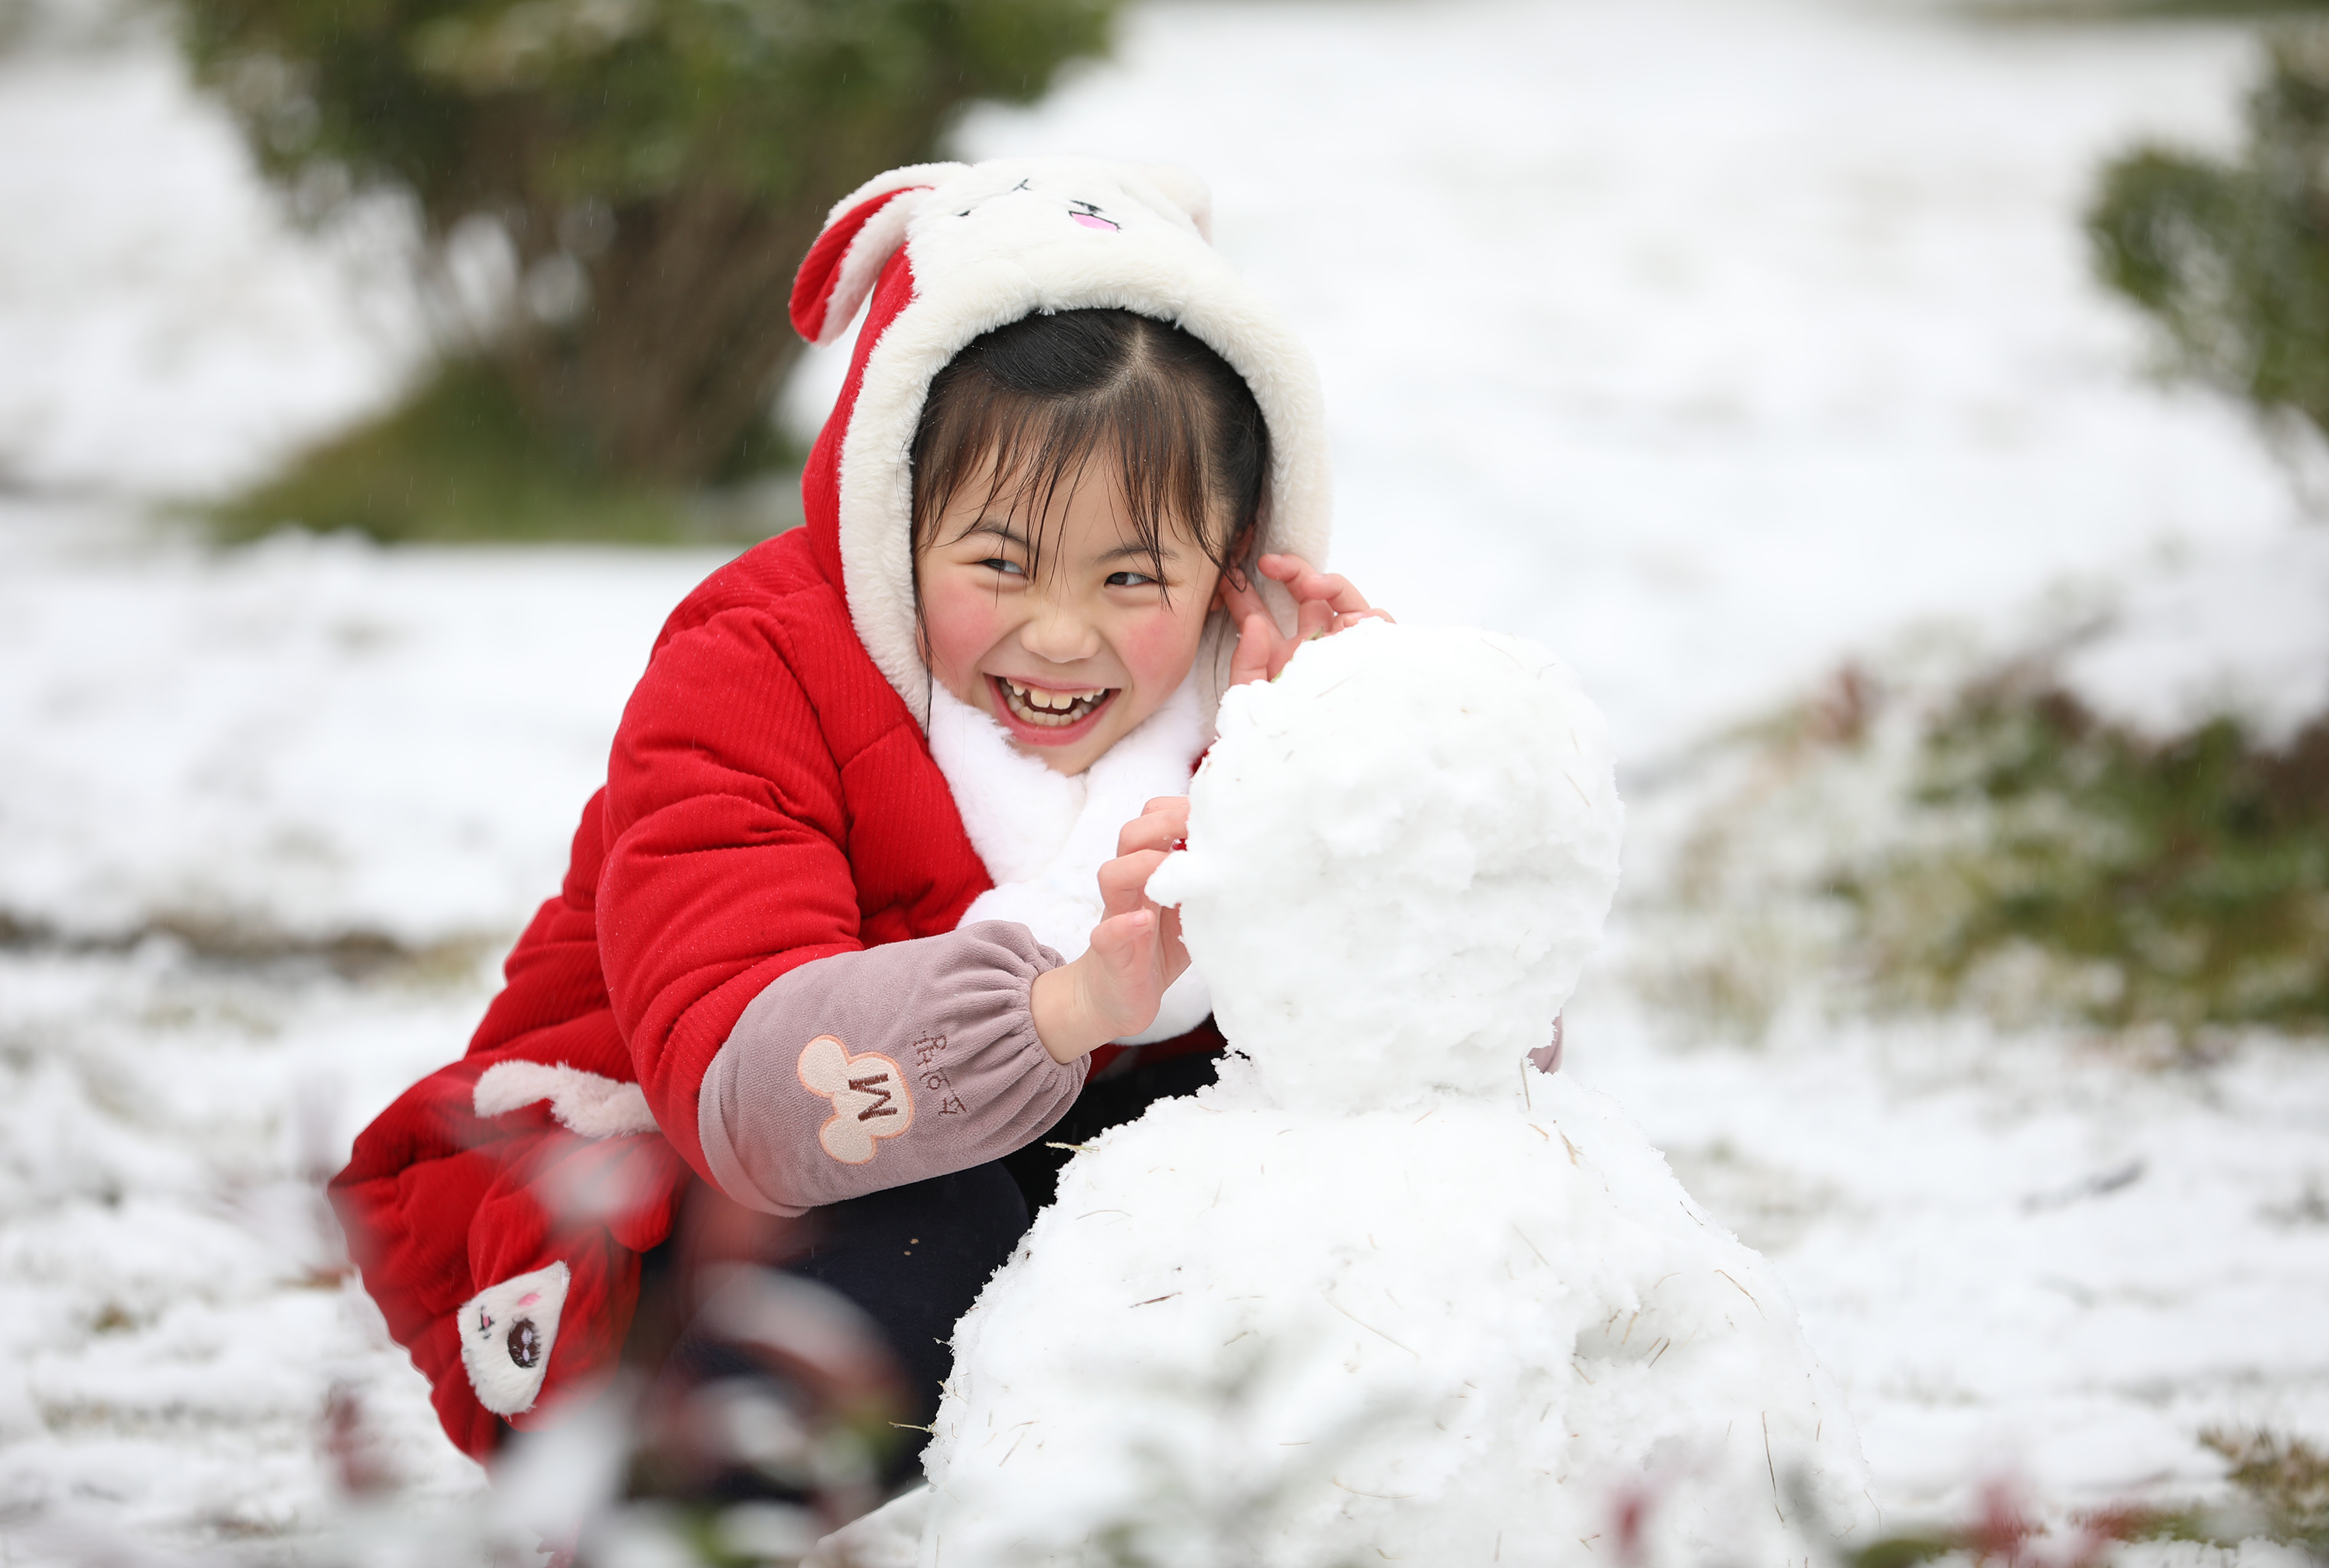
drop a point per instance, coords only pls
(859, 915)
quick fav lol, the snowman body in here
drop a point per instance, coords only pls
(1387, 1292)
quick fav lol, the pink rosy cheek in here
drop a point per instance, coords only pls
(1089, 221)
(1159, 651)
(962, 622)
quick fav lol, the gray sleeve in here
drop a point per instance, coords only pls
(873, 1069)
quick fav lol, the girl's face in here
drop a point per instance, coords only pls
(1070, 657)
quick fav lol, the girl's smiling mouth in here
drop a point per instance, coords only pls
(1047, 716)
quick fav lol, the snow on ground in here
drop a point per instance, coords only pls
(2225, 629)
(1704, 342)
(2018, 1256)
(309, 736)
(176, 1311)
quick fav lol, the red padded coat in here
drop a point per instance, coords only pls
(769, 801)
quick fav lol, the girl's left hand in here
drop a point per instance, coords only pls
(1326, 604)
(1115, 989)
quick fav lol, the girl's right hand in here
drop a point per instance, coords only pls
(1115, 989)
(1325, 604)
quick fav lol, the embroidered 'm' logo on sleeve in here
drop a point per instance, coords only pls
(870, 1098)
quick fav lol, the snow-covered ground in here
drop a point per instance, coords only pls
(1705, 342)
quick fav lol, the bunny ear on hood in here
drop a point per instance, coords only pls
(951, 251)
(860, 236)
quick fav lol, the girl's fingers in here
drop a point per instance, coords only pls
(1336, 593)
(1176, 953)
(1124, 881)
(1257, 655)
(1305, 584)
(1163, 824)
(1126, 946)
(1324, 602)
(1132, 970)
(1122, 940)
(1238, 595)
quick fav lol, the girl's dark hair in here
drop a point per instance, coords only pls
(1040, 396)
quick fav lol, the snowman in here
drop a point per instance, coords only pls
(1387, 1292)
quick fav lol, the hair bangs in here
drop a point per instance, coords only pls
(1021, 412)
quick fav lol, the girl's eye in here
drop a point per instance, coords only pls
(1130, 580)
(997, 563)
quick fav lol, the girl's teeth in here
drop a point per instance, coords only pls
(1050, 708)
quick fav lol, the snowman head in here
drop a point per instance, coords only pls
(1400, 853)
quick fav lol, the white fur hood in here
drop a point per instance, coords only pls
(949, 251)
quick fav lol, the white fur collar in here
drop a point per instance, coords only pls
(583, 1102)
(1044, 836)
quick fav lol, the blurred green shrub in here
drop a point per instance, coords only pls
(2280, 1494)
(2051, 864)
(1981, 841)
(2181, 882)
(1933, 842)
(2287, 1478)
(659, 167)
(2231, 260)
(458, 460)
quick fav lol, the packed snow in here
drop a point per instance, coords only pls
(1400, 853)
(1705, 343)
(1303, 1334)
(1291, 1320)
